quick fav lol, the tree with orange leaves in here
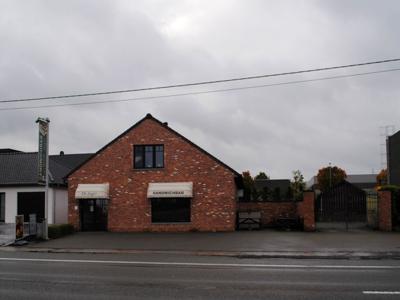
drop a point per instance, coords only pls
(381, 178)
(330, 176)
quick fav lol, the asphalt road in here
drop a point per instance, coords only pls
(88, 276)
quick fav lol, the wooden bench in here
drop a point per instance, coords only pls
(249, 220)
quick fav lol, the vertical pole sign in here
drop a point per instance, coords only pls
(43, 165)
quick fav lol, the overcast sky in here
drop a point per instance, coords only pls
(62, 47)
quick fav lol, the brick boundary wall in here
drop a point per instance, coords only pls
(385, 211)
(270, 211)
(306, 211)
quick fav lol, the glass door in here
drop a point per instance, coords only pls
(93, 214)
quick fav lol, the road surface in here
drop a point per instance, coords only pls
(149, 276)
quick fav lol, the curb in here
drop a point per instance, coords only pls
(366, 255)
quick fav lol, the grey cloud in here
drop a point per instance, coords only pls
(51, 48)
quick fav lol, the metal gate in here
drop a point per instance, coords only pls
(396, 210)
(345, 206)
(372, 210)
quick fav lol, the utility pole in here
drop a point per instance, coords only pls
(330, 175)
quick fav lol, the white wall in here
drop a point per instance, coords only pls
(55, 195)
(60, 206)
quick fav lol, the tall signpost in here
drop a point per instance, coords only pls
(43, 166)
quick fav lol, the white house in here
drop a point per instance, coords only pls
(20, 193)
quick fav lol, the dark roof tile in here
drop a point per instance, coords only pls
(20, 168)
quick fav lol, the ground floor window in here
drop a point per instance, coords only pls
(170, 210)
(2, 207)
(31, 203)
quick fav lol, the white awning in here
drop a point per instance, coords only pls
(92, 191)
(170, 190)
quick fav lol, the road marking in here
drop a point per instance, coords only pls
(194, 264)
(381, 292)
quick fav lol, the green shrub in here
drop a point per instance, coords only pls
(392, 188)
(56, 231)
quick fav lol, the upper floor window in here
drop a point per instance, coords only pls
(148, 156)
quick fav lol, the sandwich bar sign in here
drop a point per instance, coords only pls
(43, 149)
(170, 190)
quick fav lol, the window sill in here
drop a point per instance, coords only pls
(148, 169)
(171, 223)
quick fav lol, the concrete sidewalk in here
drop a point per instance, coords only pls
(265, 243)
(7, 234)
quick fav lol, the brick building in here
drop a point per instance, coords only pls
(151, 178)
(393, 158)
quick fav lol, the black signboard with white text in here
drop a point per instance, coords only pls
(43, 149)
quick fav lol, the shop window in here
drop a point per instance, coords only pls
(170, 210)
(148, 156)
(2, 207)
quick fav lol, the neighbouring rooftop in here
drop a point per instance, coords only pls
(362, 181)
(21, 168)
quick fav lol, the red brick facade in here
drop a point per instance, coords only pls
(385, 211)
(213, 206)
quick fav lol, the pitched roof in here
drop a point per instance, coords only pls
(344, 184)
(20, 168)
(165, 125)
(272, 184)
(363, 181)
(362, 178)
(8, 150)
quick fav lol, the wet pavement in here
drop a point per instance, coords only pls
(239, 242)
(7, 234)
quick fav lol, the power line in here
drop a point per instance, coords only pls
(201, 82)
(201, 92)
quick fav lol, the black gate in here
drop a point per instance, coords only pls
(372, 209)
(341, 206)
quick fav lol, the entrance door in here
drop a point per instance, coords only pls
(93, 214)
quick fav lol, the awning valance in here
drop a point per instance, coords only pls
(92, 191)
(170, 190)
